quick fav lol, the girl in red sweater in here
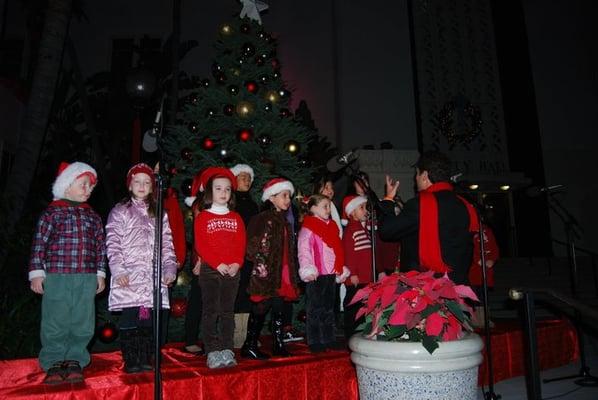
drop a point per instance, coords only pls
(220, 243)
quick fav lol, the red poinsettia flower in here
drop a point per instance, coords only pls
(415, 306)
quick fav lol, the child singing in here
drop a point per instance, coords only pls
(273, 278)
(220, 244)
(68, 268)
(321, 265)
(130, 234)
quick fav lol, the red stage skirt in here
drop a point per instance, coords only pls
(329, 375)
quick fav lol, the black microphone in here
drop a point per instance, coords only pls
(537, 190)
(339, 162)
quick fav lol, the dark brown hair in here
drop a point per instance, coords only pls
(207, 196)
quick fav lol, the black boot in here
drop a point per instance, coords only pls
(278, 336)
(254, 327)
(130, 350)
(146, 348)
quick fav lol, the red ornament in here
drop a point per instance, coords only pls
(245, 135)
(275, 63)
(172, 171)
(107, 333)
(251, 87)
(178, 307)
(207, 143)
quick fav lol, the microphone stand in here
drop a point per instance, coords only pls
(570, 223)
(157, 266)
(490, 394)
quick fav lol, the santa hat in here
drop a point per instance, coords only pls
(350, 203)
(275, 186)
(66, 175)
(237, 169)
(200, 181)
(140, 168)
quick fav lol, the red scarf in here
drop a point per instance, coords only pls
(430, 255)
(328, 231)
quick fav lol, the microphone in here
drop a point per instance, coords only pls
(339, 162)
(537, 190)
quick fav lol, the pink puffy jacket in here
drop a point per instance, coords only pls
(130, 248)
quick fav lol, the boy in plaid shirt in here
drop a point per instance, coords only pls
(67, 266)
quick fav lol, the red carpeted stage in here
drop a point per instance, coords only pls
(328, 375)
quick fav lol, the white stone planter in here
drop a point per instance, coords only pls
(405, 370)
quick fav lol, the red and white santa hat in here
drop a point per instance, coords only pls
(66, 175)
(350, 203)
(275, 186)
(200, 181)
(237, 169)
(140, 168)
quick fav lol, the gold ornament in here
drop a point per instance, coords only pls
(226, 29)
(183, 279)
(244, 108)
(272, 96)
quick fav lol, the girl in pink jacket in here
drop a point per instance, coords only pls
(321, 264)
(130, 249)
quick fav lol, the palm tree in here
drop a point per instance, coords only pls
(43, 87)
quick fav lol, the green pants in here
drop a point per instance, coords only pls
(68, 318)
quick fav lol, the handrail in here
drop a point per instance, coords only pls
(581, 308)
(583, 250)
(532, 377)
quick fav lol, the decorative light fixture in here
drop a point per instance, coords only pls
(474, 186)
(505, 187)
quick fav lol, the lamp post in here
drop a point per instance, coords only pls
(140, 86)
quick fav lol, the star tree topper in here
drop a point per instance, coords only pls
(252, 9)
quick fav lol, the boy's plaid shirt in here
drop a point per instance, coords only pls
(69, 239)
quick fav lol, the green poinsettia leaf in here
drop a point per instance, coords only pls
(430, 310)
(456, 310)
(395, 331)
(430, 343)
(364, 326)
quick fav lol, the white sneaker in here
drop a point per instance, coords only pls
(228, 358)
(215, 360)
(291, 336)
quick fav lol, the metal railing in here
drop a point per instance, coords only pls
(532, 377)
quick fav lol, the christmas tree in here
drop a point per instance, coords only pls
(241, 115)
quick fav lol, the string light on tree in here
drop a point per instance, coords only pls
(108, 332)
(205, 83)
(248, 49)
(186, 187)
(233, 90)
(193, 127)
(228, 109)
(264, 140)
(186, 154)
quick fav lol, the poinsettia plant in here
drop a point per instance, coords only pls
(415, 307)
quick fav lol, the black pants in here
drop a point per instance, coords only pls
(129, 319)
(351, 310)
(218, 293)
(193, 314)
(319, 301)
(243, 303)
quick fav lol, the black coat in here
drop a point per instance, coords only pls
(456, 242)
